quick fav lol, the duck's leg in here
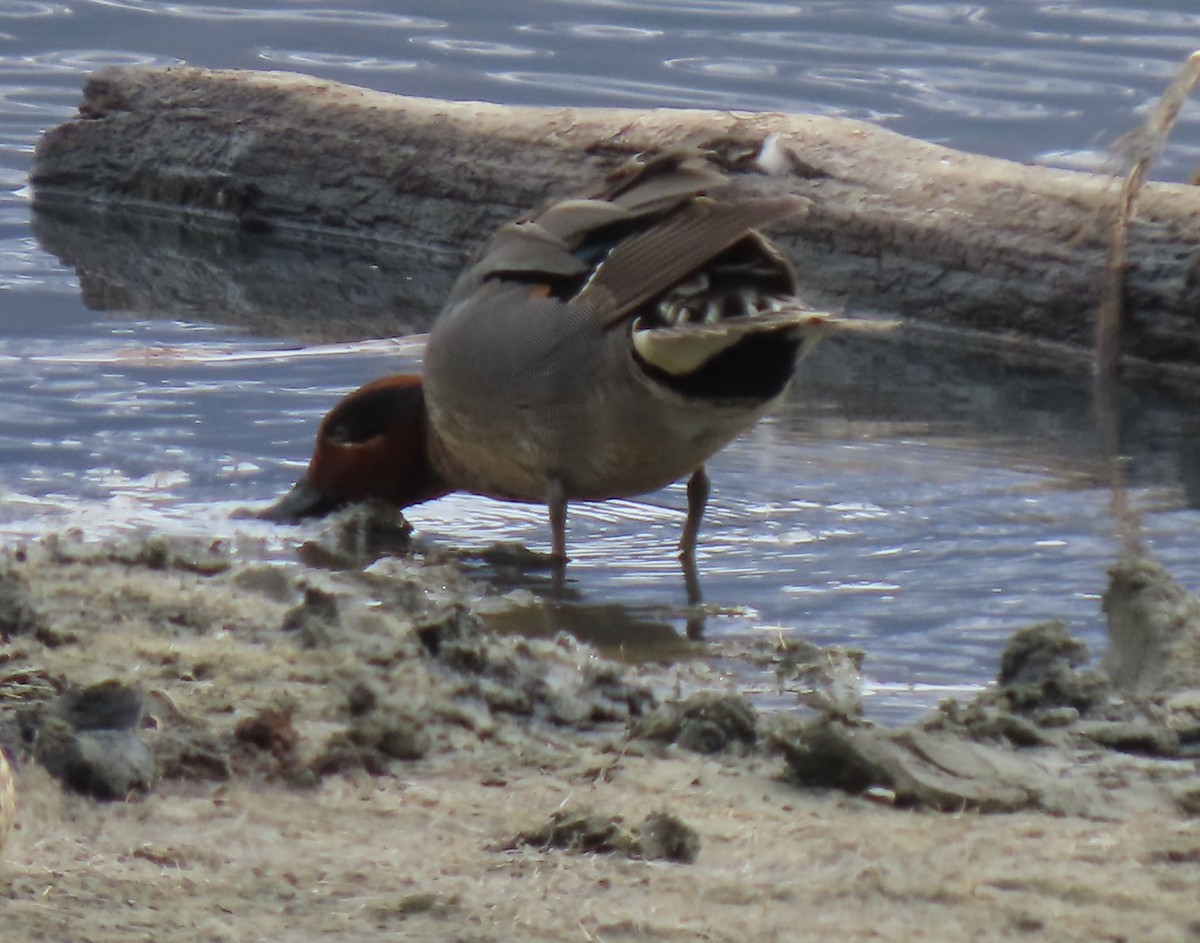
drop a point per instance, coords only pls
(698, 488)
(695, 598)
(556, 501)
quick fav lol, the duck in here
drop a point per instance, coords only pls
(603, 346)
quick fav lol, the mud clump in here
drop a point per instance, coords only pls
(269, 581)
(19, 614)
(1050, 734)
(315, 620)
(1041, 670)
(159, 553)
(342, 755)
(109, 705)
(1154, 629)
(1046, 696)
(270, 730)
(561, 681)
(422, 902)
(666, 837)
(395, 735)
(89, 740)
(704, 723)
(388, 657)
(660, 837)
(104, 764)
(192, 754)
(378, 732)
(358, 536)
(915, 768)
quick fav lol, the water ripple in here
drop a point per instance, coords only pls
(726, 68)
(289, 14)
(36, 100)
(25, 266)
(328, 60)
(29, 9)
(474, 47)
(79, 60)
(592, 31)
(972, 14)
(618, 91)
(700, 8)
(1138, 17)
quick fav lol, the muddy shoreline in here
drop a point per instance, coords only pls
(344, 748)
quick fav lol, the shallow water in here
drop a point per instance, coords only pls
(914, 501)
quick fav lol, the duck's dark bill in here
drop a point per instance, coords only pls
(304, 500)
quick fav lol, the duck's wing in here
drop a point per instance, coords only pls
(563, 243)
(647, 265)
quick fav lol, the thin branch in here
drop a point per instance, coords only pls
(1139, 148)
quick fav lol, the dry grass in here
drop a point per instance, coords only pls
(369, 859)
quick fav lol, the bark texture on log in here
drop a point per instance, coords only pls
(896, 225)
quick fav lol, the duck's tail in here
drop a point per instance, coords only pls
(743, 357)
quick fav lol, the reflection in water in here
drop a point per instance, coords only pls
(143, 266)
(565, 608)
(631, 633)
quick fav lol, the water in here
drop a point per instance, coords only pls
(915, 501)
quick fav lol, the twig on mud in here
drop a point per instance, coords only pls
(1138, 148)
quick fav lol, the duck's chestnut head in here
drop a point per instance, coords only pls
(372, 444)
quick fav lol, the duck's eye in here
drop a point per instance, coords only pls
(371, 413)
(343, 434)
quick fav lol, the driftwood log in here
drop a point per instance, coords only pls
(939, 237)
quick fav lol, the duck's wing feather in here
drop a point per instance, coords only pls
(662, 181)
(646, 265)
(526, 249)
(566, 238)
(681, 349)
